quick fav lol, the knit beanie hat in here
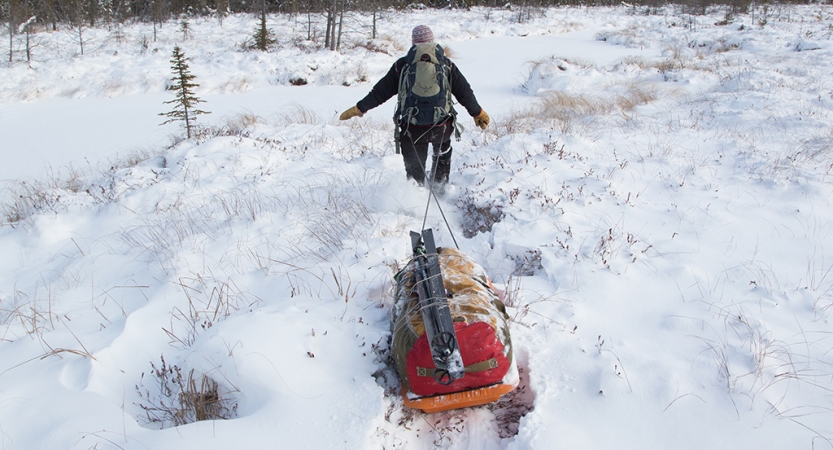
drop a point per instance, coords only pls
(422, 34)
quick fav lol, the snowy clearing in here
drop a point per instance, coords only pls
(653, 196)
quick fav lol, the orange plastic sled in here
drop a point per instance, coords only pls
(464, 399)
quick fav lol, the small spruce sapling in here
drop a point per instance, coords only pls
(185, 101)
(185, 27)
(222, 10)
(263, 37)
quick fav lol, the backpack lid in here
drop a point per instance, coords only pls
(426, 52)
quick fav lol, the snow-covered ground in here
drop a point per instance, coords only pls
(653, 196)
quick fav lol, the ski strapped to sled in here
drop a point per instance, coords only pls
(433, 304)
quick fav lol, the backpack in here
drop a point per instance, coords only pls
(424, 87)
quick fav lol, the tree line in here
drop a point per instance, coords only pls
(26, 16)
(51, 13)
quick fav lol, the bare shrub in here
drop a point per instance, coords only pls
(528, 263)
(668, 65)
(383, 44)
(26, 199)
(184, 399)
(368, 137)
(479, 215)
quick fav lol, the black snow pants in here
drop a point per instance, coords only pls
(414, 141)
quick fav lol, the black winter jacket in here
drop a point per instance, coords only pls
(388, 86)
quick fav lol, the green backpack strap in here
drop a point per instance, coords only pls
(400, 101)
(458, 128)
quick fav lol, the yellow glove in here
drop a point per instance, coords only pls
(482, 119)
(353, 112)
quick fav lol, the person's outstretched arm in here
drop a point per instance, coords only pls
(384, 89)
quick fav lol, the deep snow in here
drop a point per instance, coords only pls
(652, 194)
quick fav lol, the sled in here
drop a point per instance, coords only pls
(457, 400)
(451, 341)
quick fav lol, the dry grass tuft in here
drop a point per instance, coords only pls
(184, 399)
(243, 121)
(562, 105)
(636, 96)
(133, 158)
(300, 115)
(368, 137)
(29, 198)
(576, 112)
(556, 110)
(449, 52)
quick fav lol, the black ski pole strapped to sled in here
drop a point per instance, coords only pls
(433, 303)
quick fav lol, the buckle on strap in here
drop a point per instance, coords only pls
(482, 366)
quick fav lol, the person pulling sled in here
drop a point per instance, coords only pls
(424, 81)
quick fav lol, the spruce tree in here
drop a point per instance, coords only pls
(263, 36)
(185, 27)
(185, 101)
(222, 8)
